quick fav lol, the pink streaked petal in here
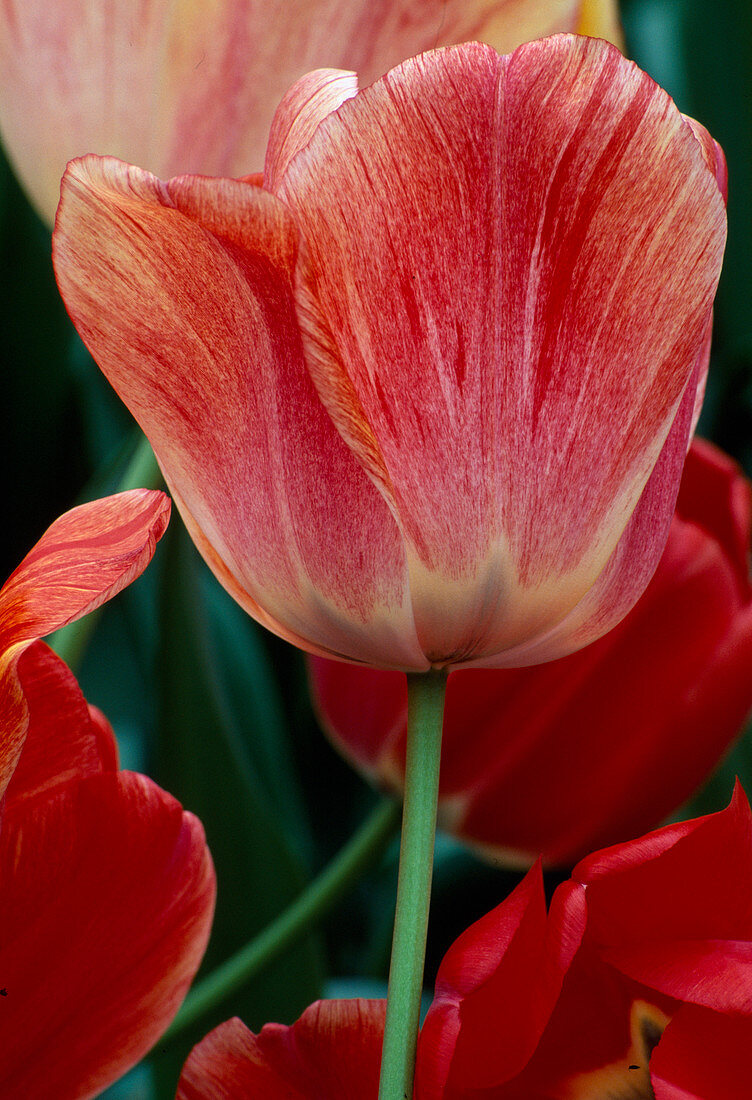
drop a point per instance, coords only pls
(702, 1055)
(577, 181)
(183, 292)
(308, 102)
(496, 989)
(85, 558)
(333, 1050)
(108, 894)
(180, 86)
(632, 562)
(63, 743)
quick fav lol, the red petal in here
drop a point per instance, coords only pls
(334, 1049)
(198, 273)
(108, 893)
(451, 376)
(673, 910)
(63, 742)
(703, 1056)
(496, 989)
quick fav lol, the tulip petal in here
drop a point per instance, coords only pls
(201, 271)
(538, 167)
(108, 893)
(334, 1049)
(673, 910)
(515, 956)
(83, 559)
(186, 87)
(310, 100)
(702, 1055)
(63, 741)
(87, 556)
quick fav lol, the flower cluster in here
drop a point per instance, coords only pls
(424, 389)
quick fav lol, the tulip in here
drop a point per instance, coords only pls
(185, 86)
(603, 744)
(423, 395)
(636, 983)
(85, 558)
(108, 894)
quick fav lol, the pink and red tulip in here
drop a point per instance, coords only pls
(423, 395)
(636, 983)
(601, 745)
(85, 558)
(186, 86)
(108, 894)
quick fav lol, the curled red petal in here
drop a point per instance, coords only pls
(496, 989)
(63, 741)
(108, 895)
(334, 1049)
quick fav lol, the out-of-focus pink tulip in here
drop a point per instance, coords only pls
(423, 395)
(600, 18)
(108, 894)
(600, 745)
(191, 86)
(85, 558)
(636, 983)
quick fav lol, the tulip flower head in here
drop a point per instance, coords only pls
(423, 393)
(636, 983)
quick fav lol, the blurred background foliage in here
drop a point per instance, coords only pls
(216, 709)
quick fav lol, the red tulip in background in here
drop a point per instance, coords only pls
(431, 381)
(636, 984)
(190, 86)
(85, 557)
(107, 886)
(603, 744)
(108, 895)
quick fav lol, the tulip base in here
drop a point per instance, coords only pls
(425, 712)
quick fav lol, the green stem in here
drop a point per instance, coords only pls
(142, 472)
(425, 711)
(360, 852)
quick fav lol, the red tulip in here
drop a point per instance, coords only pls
(108, 893)
(87, 556)
(394, 388)
(637, 983)
(186, 86)
(600, 745)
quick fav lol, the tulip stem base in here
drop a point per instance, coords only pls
(425, 714)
